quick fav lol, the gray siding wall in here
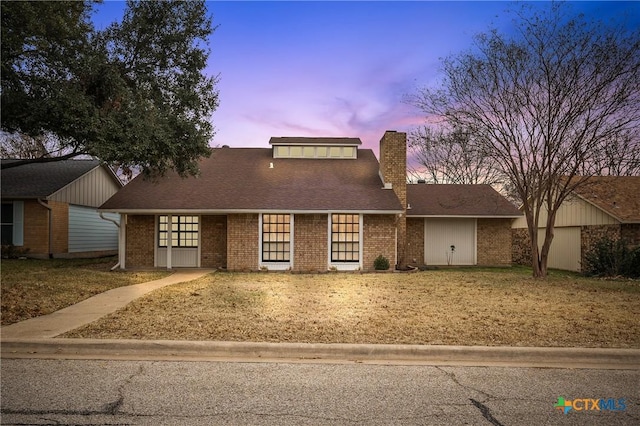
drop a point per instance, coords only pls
(89, 232)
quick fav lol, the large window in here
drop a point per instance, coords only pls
(345, 238)
(184, 231)
(276, 238)
(7, 223)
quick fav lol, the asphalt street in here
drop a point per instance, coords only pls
(91, 392)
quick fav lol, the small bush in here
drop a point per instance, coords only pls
(381, 263)
(13, 252)
(612, 258)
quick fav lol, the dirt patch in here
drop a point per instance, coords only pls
(452, 307)
(32, 288)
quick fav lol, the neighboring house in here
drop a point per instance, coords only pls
(50, 209)
(305, 204)
(459, 225)
(605, 206)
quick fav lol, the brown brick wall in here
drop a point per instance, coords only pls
(379, 239)
(60, 226)
(36, 228)
(310, 252)
(242, 242)
(393, 167)
(493, 242)
(590, 235)
(415, 241)
(213, 238)
(140, 241)
(631, 233)
(520, 247)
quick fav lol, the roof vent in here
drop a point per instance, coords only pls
(422, 181)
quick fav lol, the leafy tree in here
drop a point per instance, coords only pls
(549, 104)
(133, 95)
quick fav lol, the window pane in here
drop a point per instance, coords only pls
(345, 238)
(7, 213)
(275, 237)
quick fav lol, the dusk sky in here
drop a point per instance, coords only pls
(338, 68)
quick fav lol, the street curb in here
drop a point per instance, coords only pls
(321, 352)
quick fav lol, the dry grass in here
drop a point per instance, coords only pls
(453, 307)
(31, 287)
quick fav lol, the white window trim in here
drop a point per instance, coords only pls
(346, 266)
(276, 266)
(169, 248)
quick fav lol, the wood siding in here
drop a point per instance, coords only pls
(573, 212)
(89, 232)
(92, 189)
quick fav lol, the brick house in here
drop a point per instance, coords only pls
(50, 209)
(304, 204)
(606, 206)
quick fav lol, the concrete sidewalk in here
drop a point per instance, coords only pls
(91, 309)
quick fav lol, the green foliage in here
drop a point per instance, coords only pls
(381, 263)
(133, 95)
(611, 258)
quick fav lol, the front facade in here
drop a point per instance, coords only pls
(50, 209)
(305, 204)
(606, 206)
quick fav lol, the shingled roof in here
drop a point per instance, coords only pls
(619, 196)
(250, 179)
(458, 200)
(40, 180)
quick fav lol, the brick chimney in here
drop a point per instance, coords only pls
(393, 170)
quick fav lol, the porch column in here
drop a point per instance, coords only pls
(169, 238)
(122, 241)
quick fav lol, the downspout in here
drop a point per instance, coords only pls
(50, 217)
(117, 265)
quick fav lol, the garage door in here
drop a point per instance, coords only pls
(441, 234)
(565, 248)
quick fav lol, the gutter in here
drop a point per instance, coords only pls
(50, 217)
(117, 265)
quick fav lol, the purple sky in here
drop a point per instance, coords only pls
(337, 68)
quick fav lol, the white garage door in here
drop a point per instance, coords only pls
(565, 248)
(440, 234)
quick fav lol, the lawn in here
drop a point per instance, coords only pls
(31, 287)
(450, 307)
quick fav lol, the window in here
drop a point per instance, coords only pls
(276, 238)
(345, 238)
(184, 231)
(7, 223)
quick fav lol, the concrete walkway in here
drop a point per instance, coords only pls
(91, 309)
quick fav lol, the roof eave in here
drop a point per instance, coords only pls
(243, 211)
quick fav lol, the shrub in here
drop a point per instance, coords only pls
(612, 258)
(13, 252)
(381, 263)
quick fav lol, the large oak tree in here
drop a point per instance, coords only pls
(134, 95)
(551, 103)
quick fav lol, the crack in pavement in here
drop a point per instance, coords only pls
(113, 408)
(486, 412)
(109, 409)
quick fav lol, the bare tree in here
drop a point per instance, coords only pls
(548, 104)
(450, 156)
